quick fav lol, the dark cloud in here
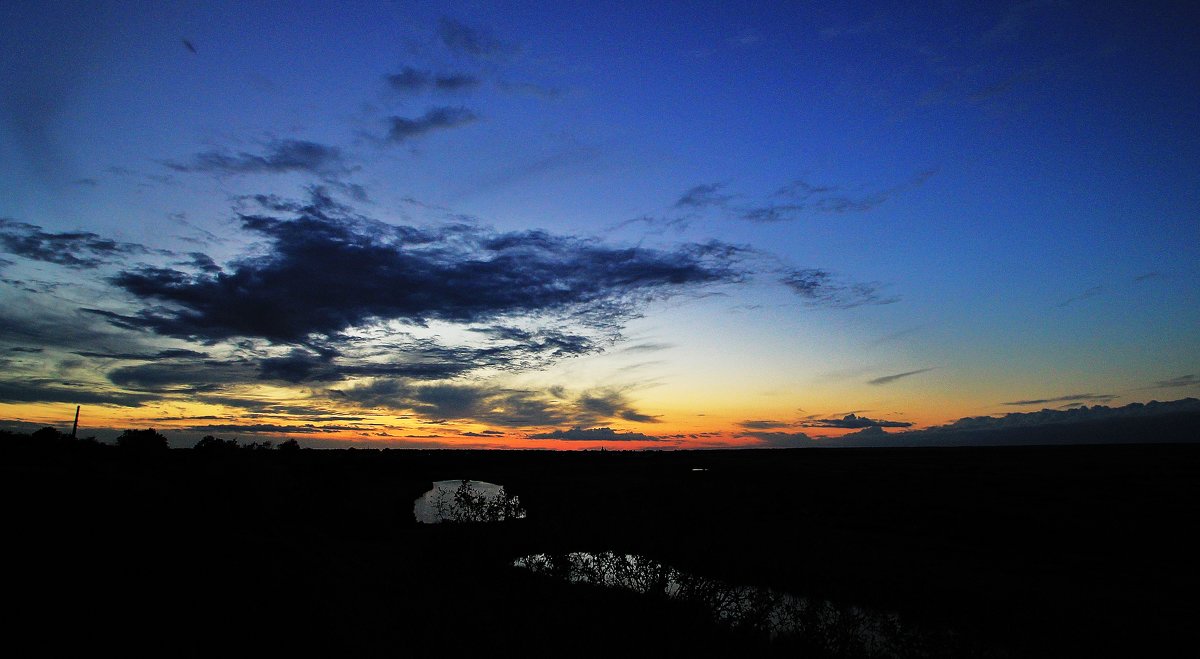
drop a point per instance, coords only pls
(274, 429)
(1046, 417)
(1181, 381)
(595, 434)
(115, 319)
(772, 213)
(539, 344)
(479, 402)
(463, 39)
(29, 350)
(412, 80)
(188, 376)
(73, 249)
(609, 404)
(202, 262)
(869, 432)
(323, 273)
(763, 424)
(296, 367)
(280, 156)
(172, 353)
(819, 288)
(1069, 398)
(50, 328)
(854, 421)
(412, 360)
(886, 379)
(402, 129)
(455, 82)
(40, 390)
(493, 405)
(409, 80)
(704, 196)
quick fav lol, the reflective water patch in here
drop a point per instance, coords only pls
(466, 501)
(838, 630)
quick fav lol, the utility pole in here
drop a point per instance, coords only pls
(75, 427)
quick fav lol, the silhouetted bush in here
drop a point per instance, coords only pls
(216, 444)
(142, 440)
(289, 445)
(47, 434)
(469, 505)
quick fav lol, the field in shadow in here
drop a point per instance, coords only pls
(1013, 551)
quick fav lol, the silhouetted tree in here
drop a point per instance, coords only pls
(210, 443)
(47, 434)
(50, 436)
(257, 446)
(142, 440)
(289, 445)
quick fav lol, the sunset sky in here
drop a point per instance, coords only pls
(634, 225)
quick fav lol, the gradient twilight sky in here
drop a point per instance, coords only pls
(626, 224)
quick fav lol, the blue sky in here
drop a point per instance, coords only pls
(1000, 200)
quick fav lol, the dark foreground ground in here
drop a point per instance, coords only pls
(1055, 551)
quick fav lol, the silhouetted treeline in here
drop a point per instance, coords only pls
(218, 445)
(148, 439)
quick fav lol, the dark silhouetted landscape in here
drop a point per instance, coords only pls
(1039, 551)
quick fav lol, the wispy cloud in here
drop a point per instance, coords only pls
(887, 379)
(648, 347)
(278, 157)
(801, 198)
(820, 288)
(610, 404)
(463, 39)
(1091, 292)
(1181, 381)
(73, 249)
(1069, 398)
(704, 196)
(402, 129)
(795, 200)
(412, 80)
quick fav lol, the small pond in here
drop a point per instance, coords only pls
(466, 501)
